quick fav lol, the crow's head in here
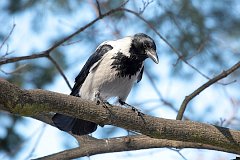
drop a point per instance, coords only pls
(143, 47)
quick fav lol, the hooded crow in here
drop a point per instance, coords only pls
(109, 72)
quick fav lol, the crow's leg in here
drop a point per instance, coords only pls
(99, 100)
(105, 103)
(132, 107)
(140, 114)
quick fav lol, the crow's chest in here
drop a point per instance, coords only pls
(112, 77)
(125, 66)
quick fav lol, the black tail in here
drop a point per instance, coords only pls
(77, 126)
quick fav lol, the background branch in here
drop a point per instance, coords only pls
(7, 37)
(47, 52)
(99, 8)
(60, 71)
(165, 102)
(60, 42)
(165, 40)
(203, 87)
(126, 143)
(32, 56)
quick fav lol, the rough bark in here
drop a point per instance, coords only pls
(37, 103)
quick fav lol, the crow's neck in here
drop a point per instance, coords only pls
(127, 66)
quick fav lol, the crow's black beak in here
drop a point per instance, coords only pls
(151, 53)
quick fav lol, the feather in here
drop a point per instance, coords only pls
(92, 61)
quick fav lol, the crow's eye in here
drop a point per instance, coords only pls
(146, 45)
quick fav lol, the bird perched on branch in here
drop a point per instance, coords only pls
(109, 72)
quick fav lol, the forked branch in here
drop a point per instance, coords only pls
(203, 87)
(37, 103)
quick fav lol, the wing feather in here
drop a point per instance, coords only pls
(92, 60)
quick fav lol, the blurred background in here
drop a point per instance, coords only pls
(205, 33)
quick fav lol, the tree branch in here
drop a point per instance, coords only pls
(203, 87)
(47, 52)
(165, 102)
(7, 37)
(16, 59)
(99, 8)
(60, 71)
(35, 103)
(179, 55)
(118, 144)
(60, 42)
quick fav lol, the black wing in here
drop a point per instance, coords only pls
(139, 78)
(95, 57)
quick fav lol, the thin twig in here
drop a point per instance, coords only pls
(114, 31)
(159, 94)
(178, 151)
(203, 87)
(7, 53)
(71, 43)
(234, 114)
(47, 52)
(57, 44)
(60, 71)
(20, 146)
(161, 37)
(37, 141)
(99, 9)
(145, 5)
(16, 71)
(9, 34)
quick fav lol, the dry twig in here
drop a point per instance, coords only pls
(47, 52)
(203, 87)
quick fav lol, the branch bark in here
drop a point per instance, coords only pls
(118, 144)
(37, 103)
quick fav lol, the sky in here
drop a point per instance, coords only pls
(51, 140)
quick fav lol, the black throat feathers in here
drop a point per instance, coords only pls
(127, 66)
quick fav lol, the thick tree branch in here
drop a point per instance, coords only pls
(35, 103)
(118, 144)
(203, 87)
